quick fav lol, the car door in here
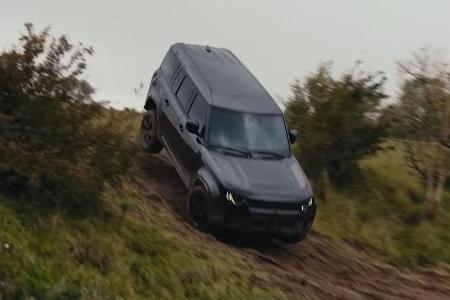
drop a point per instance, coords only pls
(188, 147)
(166, 89)
(170, 111)
(176, 108)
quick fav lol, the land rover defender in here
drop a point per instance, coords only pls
(228, 141)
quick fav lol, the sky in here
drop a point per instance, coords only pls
(277, 40)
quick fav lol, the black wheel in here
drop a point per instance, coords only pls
(149, 140)
(198, 207)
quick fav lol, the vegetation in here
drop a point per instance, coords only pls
(424, 119)
(385, 211)
(72, 223)
(114, 257)
(57, 151)
(392, 205)
(336, 119)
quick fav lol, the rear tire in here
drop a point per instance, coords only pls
(198, 208)
(148, 138)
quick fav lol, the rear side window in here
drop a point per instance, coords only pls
(179, 78)
(169, 65)
(185, 92)
(198, 111)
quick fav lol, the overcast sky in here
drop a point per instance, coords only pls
(277, 40)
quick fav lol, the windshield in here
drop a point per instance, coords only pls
(261, 134)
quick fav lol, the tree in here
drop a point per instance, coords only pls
(337, 121)
(57, 145)
(424, 121)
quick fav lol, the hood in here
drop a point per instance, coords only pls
(262, 179)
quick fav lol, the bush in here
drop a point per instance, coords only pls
(59, 147)
(337, 121)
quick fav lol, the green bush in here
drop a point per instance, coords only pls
(336, 121)
(59, 147)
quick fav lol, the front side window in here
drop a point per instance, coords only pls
(263, 134)
(199, 111)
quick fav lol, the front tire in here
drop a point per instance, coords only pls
(198, 208)
(148, 138)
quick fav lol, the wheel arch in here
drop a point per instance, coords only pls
(150, 103)
(205, 178)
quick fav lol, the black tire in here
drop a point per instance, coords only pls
(198, 208)
(148, 138)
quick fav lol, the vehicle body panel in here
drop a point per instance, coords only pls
(277, 196)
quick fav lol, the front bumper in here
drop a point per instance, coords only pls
(276, 221)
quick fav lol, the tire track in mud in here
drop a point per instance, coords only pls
(317, 268)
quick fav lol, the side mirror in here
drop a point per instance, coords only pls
(192, 126)
(293, 135)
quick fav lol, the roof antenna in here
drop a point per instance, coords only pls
(208, 49)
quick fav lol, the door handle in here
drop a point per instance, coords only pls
(180, 126)
(166, 101)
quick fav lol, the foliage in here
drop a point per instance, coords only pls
(385, 212)
(337, 121)
(58, 148)
(422, 116)
(64, 153)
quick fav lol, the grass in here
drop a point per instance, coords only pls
(51, 256)
(127, 249)
(385, 211)
(130, 251)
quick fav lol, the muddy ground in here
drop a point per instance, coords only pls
(317, 268)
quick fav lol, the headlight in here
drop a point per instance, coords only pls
(233, 198)
(307, 204)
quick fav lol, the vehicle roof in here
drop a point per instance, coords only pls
(223, 80)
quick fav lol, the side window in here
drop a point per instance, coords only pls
(169, 65)
(198, 111)
(185, 92)
(179, 78)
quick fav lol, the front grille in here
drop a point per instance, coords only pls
(274, 205)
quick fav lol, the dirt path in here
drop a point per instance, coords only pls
(317, 268)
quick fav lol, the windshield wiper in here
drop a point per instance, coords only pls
(269, 154)
(241, 152)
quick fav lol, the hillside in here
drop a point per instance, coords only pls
(143, 248)
(318, 268)
(152, 252)
(386, 213)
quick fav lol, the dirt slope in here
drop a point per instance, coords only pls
(317, 268)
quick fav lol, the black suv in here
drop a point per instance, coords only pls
(228, 141)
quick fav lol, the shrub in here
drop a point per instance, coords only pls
(59, 147)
